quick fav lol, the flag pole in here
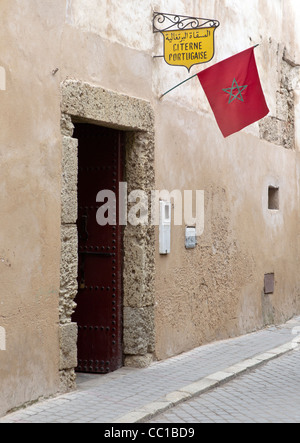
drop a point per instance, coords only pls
(190, 78)
(184, 81)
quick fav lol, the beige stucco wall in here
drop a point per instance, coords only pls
(217, 290)
(204, 294)
(30, 152)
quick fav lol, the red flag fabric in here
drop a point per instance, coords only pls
(234, 92)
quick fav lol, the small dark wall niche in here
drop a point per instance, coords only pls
(269, 284)
(273, 198)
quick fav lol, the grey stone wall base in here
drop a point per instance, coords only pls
(138, 335)
(68, 346)
(138, 361)
(67, 380)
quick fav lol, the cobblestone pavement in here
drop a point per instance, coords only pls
(134, 395)
(269, 394)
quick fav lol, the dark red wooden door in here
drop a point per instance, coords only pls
(99, 299)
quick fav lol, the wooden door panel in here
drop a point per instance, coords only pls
(99, 299)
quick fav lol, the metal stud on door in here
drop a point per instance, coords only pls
(99, 299)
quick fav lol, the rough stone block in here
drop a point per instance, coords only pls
(138, 330)
(68, 346)
(66, 125)
(138, 361)
(69, 265)
(67, 380)
(102, 106)
(69, 180)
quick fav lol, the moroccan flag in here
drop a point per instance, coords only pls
(234, 92)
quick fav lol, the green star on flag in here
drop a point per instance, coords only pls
(246, 103)
(237, 95)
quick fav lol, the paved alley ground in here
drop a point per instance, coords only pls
(268, 394)
(250, 378)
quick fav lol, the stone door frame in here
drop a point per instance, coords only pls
(82, 102)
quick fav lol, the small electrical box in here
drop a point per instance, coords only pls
(165, 209)
(190, 237)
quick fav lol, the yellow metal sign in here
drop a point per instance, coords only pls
(189, 48)
(188, 41)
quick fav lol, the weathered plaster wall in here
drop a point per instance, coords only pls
(217, 290)
(227, 268)
(40, 48)
(30, 158)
